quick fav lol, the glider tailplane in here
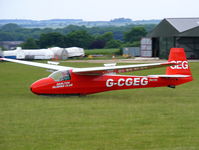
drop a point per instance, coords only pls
(177, 55)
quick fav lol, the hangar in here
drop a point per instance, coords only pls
(176, 32)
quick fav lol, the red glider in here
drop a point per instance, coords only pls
(83, 81)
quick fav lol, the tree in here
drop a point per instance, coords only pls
(106, 36)
(101, 40)
(6, 36)
(135, 34)
(113, 44)
(131, 44)
(51, 39)
(11, 27)
(127, 20)
(97, 44)
(79, 39)
(14, 32)
(30, 44)
(2, 48)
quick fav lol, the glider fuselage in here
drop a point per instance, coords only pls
(88, 84)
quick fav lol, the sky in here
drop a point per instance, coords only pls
(98, 10)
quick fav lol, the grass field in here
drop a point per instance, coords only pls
(140, 119)
(102, 51)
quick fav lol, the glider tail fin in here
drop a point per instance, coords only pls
(177, 55)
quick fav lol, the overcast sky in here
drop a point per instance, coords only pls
(91, 10)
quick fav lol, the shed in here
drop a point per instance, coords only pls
(38, 54)
(75, 51)
(59, 53)
(20, 54)
(131, 51)
(10, 54)
(1, 53)
(176, 32)
(29, 54)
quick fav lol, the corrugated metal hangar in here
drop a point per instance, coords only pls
(176, 32)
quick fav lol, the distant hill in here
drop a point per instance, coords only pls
(60, 23)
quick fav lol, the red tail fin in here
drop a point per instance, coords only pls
(177, 55)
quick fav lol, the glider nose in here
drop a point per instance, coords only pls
(42, 86)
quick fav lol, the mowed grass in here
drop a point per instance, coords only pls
(139, 119)
(102, 51)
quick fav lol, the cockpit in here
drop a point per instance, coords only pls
(60, 75)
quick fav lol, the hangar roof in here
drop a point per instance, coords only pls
(175, 27)
(183, 24)
(193, 32)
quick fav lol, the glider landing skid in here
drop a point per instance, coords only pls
(172, 86)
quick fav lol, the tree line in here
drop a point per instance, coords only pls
(81, 36)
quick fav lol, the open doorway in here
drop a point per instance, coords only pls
(155, 47)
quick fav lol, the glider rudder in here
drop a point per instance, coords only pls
(177, 55)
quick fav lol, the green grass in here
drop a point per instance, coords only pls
(102, 51)
(139, 119)
(99, 54)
